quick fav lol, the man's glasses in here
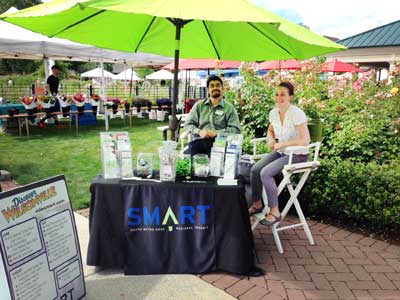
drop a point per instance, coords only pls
(215, 85)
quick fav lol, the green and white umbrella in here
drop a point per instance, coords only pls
(222, 29)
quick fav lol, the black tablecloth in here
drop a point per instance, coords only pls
(155, 228)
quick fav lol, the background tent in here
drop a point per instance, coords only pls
(128, 74)
(160, 75)
(338, 66)
(97, 73)
(290, 64)
(204, 64)
(19, 43)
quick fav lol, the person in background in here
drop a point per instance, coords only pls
(288, 127)
(9, 84)
(51, 88)
(209, 117)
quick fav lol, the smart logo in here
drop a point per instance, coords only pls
(189, 217)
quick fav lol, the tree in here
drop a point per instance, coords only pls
(19, 4)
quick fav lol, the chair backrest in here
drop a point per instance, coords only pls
(178, 129)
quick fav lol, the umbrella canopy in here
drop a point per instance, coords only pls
(204, 64)
(338, 66)
(244, 32)
(128, 74)
(160, 75)
(202, 29)
(290, 64)
(96, 73)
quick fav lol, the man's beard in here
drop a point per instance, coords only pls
(216, 94)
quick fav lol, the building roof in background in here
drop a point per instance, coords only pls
(383, 36)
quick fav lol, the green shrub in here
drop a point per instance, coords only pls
(366, 193)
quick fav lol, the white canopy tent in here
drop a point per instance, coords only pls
(160, 75)
(19, 43)
(97, 73)
(128, 74)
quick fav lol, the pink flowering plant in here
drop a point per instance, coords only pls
(360, 166)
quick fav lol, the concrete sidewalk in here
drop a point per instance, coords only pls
(113, 284)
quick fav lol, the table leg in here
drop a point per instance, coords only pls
(27, 126)
(76, 121)
(19, 126)
(70, 120)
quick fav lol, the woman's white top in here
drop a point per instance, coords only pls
(287, 130)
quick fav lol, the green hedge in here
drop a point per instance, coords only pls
(366, 193)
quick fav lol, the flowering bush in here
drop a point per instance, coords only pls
(28, 100)
(47, 101)
(113, 101)
(95, 98)
(80, 98)
(361, 137)
(252, 96)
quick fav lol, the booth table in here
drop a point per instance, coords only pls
(149, 227)
(4, 108)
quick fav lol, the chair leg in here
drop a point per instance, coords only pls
(258, 217)
(276, 238)
(292, 200)
(165, 134)
(303, 222)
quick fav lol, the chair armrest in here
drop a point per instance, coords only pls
(291, 149)
(258, 140)
(255, 141)
(183, 136)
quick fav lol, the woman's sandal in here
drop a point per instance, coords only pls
(269, 223)
(254, 210)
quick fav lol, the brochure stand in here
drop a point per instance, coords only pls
(116, 155)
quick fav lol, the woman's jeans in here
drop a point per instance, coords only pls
(263, 172)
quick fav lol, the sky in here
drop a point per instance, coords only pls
(336, 18)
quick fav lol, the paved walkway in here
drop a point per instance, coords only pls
(342, 265)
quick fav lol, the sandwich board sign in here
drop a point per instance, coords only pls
(40, 254)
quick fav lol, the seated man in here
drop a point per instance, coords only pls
(209, 117)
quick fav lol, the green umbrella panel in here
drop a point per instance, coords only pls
(224, 29)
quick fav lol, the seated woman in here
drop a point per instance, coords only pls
(288, 127)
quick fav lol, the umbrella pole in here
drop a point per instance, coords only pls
(173, 121)
(103, 94)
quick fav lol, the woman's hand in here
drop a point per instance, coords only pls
(271, 144)
(278, 146)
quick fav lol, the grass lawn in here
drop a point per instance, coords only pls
(49, 152)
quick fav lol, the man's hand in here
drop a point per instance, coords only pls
(203, 133)
(212, 133)
(271, 144)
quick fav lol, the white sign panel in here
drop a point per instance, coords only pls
(40, 256)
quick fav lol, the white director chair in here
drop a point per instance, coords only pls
(288, 170)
